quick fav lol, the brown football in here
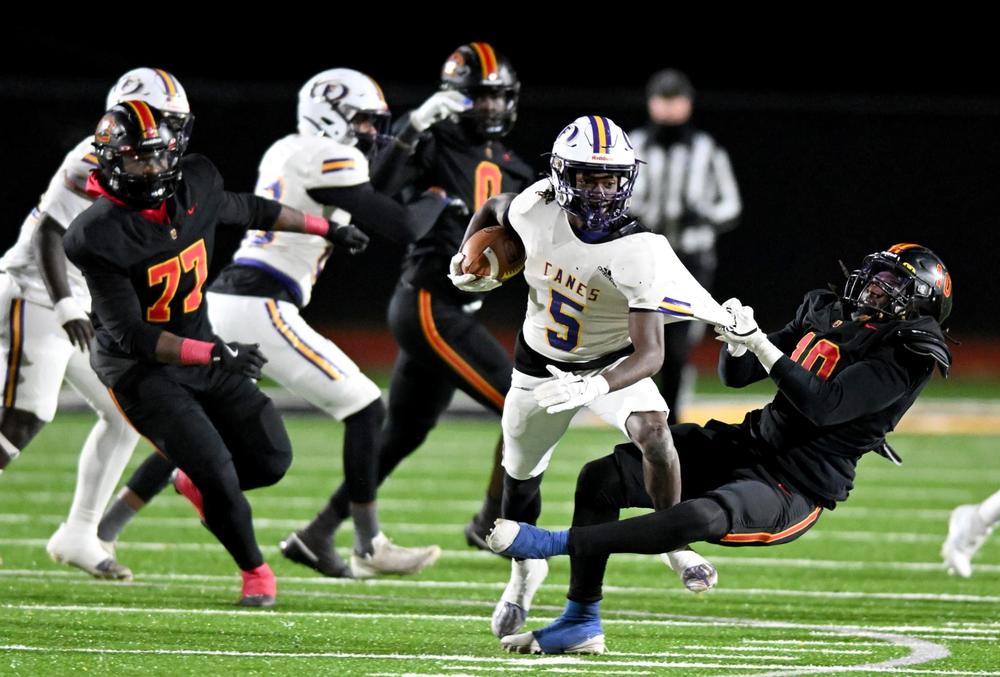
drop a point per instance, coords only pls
(494, 251)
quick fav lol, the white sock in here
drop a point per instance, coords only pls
(679, 560)
(105, 454)
(989, 510)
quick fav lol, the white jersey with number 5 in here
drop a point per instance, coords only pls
(63, 200)
(289, 169)
(580, 294)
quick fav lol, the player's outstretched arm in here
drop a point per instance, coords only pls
(294, 221)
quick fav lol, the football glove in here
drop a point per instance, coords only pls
(468, 281)
(239, 358)
(437, 107)
(346, 235)
(569, 391)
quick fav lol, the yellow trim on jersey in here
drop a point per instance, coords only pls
(300, 346)
(337, 165)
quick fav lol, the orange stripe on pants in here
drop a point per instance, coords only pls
(764, 537)
(14, 359)
(448, 354)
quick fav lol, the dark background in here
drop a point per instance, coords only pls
(836, 154)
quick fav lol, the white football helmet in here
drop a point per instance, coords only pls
(593, 144)
(346, 106)
(162, 91)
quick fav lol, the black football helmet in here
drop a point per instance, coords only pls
(139, 153)
(478, 71)
(904, 282)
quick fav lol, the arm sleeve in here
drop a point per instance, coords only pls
(405, 160)
(248, 211)
(375, 212)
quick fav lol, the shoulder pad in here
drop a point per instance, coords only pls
(926, 341)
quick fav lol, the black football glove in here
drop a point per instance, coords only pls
(239, 358)
(348, 236)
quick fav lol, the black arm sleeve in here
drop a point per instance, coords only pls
(377, 213)
(862, 388)
(248, 211)
(405, 160)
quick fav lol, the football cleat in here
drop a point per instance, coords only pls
(388, 558)
(260, 588)
(301, 548)
(475, 534)
(186, 488)
(519, 539)
(511, 612)
(578, 630)
(85, 551)
(966, 534)
(696, 573)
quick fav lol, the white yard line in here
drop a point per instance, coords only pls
(73, 578)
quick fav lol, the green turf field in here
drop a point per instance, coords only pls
(862, 593)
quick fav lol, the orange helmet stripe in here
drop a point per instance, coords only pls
(487, 58)
(146, 118)
(902, 246)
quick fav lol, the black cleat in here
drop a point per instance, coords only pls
(475, 533)
(321, 557)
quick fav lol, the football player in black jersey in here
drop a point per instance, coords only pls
(455, 147)
(847, 368)
(144, 248)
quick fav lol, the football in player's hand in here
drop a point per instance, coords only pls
(494, 251)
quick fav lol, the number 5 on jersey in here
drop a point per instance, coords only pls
(569, 337)
(169, 274)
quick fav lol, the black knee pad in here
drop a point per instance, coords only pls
(278, 457)
(372, 415)
(595, 475)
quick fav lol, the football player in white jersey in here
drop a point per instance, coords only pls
(600, 286)
(45, 334)
(323, 170)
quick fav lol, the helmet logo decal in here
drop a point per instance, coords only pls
(947, 285)
(104, 128)
(329, 91)
(456, 66)
(128, 86)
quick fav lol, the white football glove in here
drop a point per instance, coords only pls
(468, 281)
(746, 333)
(569, 391)
(437, 107)
(734, 349)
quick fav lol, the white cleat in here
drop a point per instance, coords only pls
(696, 573)
(511, 612)
(527, 643)
(388, 558)
(966, 534)
(87, 552)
